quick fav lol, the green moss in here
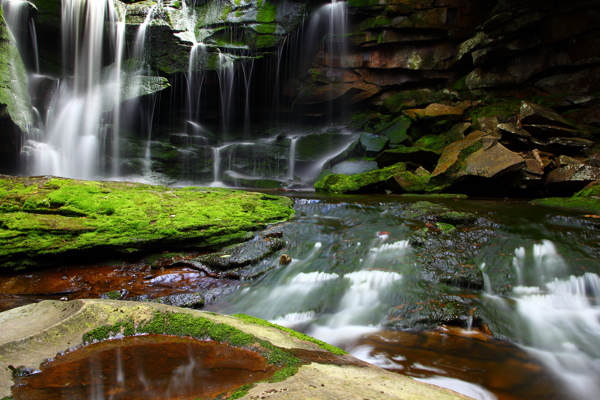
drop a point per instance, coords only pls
(433, 142)
(338, 183)
(296, 334)
(266, 12)
(582, 204)
(266, 41)
(185, 325)
(591, 190)
(45, 217)
(503, 110)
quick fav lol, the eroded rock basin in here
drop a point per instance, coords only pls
(145, 368)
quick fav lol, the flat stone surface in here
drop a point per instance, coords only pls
(33, 333)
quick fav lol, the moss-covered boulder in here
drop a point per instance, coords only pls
(44, 219)
(586, 200)
(368, 182)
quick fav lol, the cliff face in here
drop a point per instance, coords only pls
(544, 49)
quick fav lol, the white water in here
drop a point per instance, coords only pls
(85, 112)
(556, 316)
(292, 158)
(226, 74)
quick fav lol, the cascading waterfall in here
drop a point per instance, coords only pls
(226, 74)
(292, 157)
(73, 136)
(17, 17)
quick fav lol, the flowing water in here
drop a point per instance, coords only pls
(362, 278)
(504, 305)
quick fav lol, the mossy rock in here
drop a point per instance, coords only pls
(43, 219)
(374, 181)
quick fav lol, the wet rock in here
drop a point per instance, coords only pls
(571, 177)
(489, 125)
(353, 167)
(242, 255)
(373, 144)
(375, 181)
(397, 130)
(416, 155)
(535, 114)
(187, 300)
(437, 112)
(410, 182)
(478, 155)
(570, 144)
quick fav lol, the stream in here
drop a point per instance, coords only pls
(497, 299)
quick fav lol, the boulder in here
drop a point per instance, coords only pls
(436, 112)
(535, 114)
(415, 155)
(44, 220)
(572, 177)
(369, 182)
(354, 167)
(478, 155)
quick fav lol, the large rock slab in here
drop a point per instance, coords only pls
(478, 155)
(31, 334)
(45, 219)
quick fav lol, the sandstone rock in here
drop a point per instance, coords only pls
(411, 183)
(515, 131)
(36, 332)
(492, 162)
(571, 177)
(594, 160)
(415, 155)
(397, 131)
(570, 143)
(436, 111)
(373, 144)
(412, 56)
(457, 132)
(354, 167)
(489, 125)
(535, 114)
(478, 155)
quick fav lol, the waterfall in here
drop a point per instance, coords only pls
(21, 26)
(292, 158)
(226, 74)
(79, 134)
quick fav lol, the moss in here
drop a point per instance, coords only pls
(296, 334)
(503, 110)
(266, 12)
(433, 142)
(338, 183)
(44, 217)
(582, 204)
(185, 325)
(591, 190)
(266, 41)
